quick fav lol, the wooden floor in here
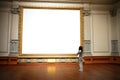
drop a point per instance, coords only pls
(59, 71)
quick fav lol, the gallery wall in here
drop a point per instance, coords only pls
(101, 28)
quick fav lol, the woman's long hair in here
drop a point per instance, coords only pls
(81, 48)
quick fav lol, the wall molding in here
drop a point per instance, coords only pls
(6, 34)
(100, 13)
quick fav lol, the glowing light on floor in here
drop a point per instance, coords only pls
(51, 69)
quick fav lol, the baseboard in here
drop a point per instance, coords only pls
(8, 60)
(101, 59)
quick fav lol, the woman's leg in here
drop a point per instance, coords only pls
(80, 64)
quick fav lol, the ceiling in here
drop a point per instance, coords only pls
(73, 1)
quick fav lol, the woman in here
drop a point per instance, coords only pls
(80, 51)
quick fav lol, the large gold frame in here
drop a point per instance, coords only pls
(49, 55)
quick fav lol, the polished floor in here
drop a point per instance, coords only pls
(59, 71)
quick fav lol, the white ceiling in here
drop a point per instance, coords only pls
(80, 1)
(104, 1)
(73, 1)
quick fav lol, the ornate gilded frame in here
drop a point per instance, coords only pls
(49, 55)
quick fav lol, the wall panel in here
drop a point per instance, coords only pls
(4, 31)
(118, 29)
(100, 33)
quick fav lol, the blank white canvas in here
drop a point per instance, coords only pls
(50, 31)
